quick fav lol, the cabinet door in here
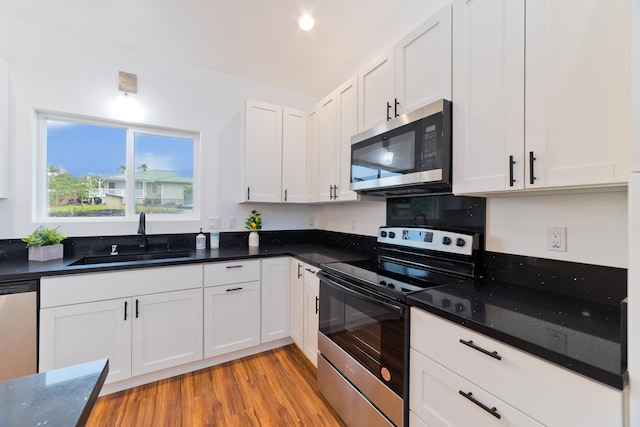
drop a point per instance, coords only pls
(436, 397)
(578, 91)
(276, 299)
(294, 140)
(297, 303)
(347, 101)
(262, 152)
(327, 137)
(423, 63)
(311, 158)
(375, 91)
(231, 318)
(167, 330)
(488, 100)
(81, 333)
(311, 319)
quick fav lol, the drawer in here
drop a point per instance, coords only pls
(224, 273)
(552, 395)
(439, 397)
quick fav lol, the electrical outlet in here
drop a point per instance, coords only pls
(353, 224)
(232, 223)
(214, 222)
(312, 222)
(557, 239)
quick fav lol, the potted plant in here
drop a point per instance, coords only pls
(45, 244)
(254, 224)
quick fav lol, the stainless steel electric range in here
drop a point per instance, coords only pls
(363, 318)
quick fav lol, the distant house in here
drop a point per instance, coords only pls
(153, 187)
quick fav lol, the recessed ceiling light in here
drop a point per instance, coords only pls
(306, 22)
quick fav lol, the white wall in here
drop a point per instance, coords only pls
(59, 71)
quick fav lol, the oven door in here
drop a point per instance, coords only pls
(362, 338)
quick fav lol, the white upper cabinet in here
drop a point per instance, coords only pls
(416, 71)
(327, 148)
(4, 129)
(262, 157)
(423, 63)
(561, 120)
(577, 109)
(294, 137)
(488, 96)
(275, 141)
(347, 102)
(311, 158)
(375, 95)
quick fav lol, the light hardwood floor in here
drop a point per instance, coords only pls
(274, 388)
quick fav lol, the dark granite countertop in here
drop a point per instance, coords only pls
(578, 334)
(62, 397)
(312, 253)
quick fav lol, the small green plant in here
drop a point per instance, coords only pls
(44, 237)
(254, 222)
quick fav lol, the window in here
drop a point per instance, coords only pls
(105, 169)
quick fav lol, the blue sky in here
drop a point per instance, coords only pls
(83, 149)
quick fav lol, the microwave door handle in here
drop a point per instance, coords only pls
(388, 306)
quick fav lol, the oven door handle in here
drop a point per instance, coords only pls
(368, 298)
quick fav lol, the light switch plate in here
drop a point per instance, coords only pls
(214, 222)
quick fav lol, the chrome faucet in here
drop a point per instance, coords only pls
(142, 230)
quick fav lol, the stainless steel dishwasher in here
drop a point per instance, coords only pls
(18, 328)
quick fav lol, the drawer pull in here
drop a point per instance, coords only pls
(470, 343)
(234, 266)
(310, 270)
(233, 289)
(493, 411)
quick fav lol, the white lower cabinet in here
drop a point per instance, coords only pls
(167, 330)
(141, 320)
(79, 333)
(525, 390)
(276, 299)
(231, 306)
(297, 302)
(311, 320)
(231, 317)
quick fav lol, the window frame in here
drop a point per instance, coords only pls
(40, 205)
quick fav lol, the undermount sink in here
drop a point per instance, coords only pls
(109, 259)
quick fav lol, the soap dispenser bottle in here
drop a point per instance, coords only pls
(201, 241)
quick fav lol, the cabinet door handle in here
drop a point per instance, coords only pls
(335, 192)
(137, 308)
(310, 270)
(470, 343)
(285, 194)
(511, 163)
(317, 305)
(493, 411)
(395, 108)
(388, 108)
(532, 176)
(233, 266)
(299, 270)
(248, 193)
(126, 306)
(233, 289)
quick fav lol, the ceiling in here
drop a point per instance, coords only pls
(252, 39)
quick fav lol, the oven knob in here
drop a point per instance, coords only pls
(459, 307)
(445, 303)
(460, 242)
(446, 240)
(383, 233)
(392, 235)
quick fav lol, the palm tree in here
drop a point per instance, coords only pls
(144, 167)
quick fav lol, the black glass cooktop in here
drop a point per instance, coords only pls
(390, 278)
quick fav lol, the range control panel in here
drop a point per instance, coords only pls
(429, 238)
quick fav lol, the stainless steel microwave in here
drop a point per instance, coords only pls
(410, 154)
